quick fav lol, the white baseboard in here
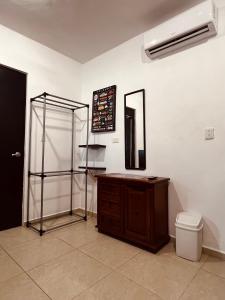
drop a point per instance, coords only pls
(207, 250)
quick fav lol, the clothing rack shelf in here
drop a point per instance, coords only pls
(93, 146)
(52, 100)
(93, 168)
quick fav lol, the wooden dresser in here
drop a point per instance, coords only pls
(134, 209)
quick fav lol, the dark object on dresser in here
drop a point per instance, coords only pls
(134, 209)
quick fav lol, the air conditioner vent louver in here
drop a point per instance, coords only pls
(182, 40)
(192, 27)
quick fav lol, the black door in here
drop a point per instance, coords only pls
(130, 138)
(12, 129)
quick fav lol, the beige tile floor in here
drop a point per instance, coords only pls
(78, 263)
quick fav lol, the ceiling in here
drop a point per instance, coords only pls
(84, 29)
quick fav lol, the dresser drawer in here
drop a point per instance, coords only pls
(110, 208)
(109, 193)
(109, 224)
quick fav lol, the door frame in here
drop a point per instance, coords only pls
(26, 122)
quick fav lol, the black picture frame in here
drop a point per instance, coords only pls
(104, 110)
(142, 153)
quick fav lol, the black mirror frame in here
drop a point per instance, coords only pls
(144, 131)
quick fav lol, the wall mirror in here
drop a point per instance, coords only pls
(135, 152)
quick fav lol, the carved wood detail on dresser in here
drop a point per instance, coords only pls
(134, 209)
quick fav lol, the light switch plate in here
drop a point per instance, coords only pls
(209, 133)
(115, 140)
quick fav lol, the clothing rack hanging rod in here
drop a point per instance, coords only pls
(56, 173)
(49, 172)
(81, 107)
(67, 99)
(55, 105)
(51, 175)
(59, 102)
(62, 174)
(37, 96)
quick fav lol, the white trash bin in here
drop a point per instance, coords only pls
(189, 235)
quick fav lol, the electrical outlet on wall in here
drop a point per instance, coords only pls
(209, 133)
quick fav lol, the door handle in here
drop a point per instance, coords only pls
(16, 154)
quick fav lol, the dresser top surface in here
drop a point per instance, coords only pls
(132, 177)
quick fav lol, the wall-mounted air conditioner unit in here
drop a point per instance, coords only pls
(187, 29)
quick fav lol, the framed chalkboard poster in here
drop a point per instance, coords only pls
(104, 110)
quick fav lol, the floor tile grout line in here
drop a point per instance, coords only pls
(5, 251)
(128, 260)
(36, 237)
(66, 242)
(210, 272)
(38, 285)
(26, 272)
(137, 283)
(22, 270)
(151, 289)
(50, 260)
(105, 276)
(14, 276)
(61, 239)
(21, 244)
(72, 250)
(41, 264)
(79, 250)
(28, 276)
(214, 274)
(98, 260)
(189, 283)
(115, 271)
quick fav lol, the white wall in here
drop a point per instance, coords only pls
(184, 94)
(54, 73)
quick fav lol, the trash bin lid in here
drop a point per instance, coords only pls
(189, 219)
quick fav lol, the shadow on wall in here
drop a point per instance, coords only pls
(211, 234)
(91, 193)
(175, 206)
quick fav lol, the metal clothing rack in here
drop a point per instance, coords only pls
(59, 102)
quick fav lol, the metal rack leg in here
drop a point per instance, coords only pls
(72, 157)
(86, 173)
(29, 162)
(28, 200)
(42, 206)
(43, 166)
